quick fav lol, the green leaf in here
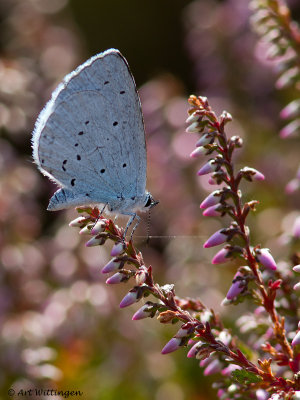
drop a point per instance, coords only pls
(245, 377)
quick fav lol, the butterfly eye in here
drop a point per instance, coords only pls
(150, 201)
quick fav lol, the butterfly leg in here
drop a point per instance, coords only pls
(131, 219)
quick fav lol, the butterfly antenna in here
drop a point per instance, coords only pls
(148, 226)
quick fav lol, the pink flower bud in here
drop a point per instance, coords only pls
(212, 368)
(141, 275)
(207, 168)
(144, 312)
(94, 241)
(211, 199)
(262, 394)
(98, 227)
(221, 257)
(117, 249)
(231, 367)
(297, 286)
(171, 346)
(266, 259)
(194, 350)
(212, 211)
(216, 239)
(287, 78)
(111, 266)
(192, 118)
(290, 129)
(130, 298)
(236, 288)
(193, 128)
(77, 222)
(292, 186)
(86, 230)
(296, 228)
(116, 278)
(212, 181)
(292, 110)
(204, 140)
(199, 151)
(296, 268)
(296, 339)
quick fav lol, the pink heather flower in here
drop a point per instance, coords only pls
(231, 367)
(194, 350)
(86, 230)
(296, 228)
(193, 128)
(77, 222)
(225, 337)
(199, 151)
(262, 394)
(296, 339)
(265, 258)
(117, 249)
(98, 227)
(116, 278)
(212, 181)
(144, 312)
(204, 140)
(212, 211)
(130, 298)
(292, 186)
(111, 266)
(297, 286)
(221, 257)
(192, 118)
(207, 168)
(287, 78)
(296, 268)
(292, 110)
(216, 239)
(212, 199)
(236, 288)
(213, 367)
(206, 361)
(290, 129)
(94, 241)
(257, 176)
(171, 346)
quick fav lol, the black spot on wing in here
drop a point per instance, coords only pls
(115, 123)
(106, 82)
(124, 165)
(80, 133)
(87, 122)
(102, 171)
(76, 144)
(63, 165)
(78, 157)
(122, 91)
(73, 181)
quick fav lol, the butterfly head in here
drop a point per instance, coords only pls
(149, 201)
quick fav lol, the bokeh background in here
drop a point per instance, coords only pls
(61, 326)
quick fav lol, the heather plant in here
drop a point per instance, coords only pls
(270, 370)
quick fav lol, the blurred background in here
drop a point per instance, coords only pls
(61, 326)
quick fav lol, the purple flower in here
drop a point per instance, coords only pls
(116, 278)
(265, 258)
(199, 151)
(98, 227)
(292, 110)
(296, 268)
(207, 168)
(130, 298)
(290, 129)
(217, 238)
(171, 346)
(213, 367)
(111, 266)
(211, 199)
(296, 228)
(221, 257)
(95, 241)
(262, 394)
(78, 222)
(204, 140)
(296, 339)
(212, 211)
(194, 350)
(117, 249)
(297, 286)
(144, 312)
(237, 287)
